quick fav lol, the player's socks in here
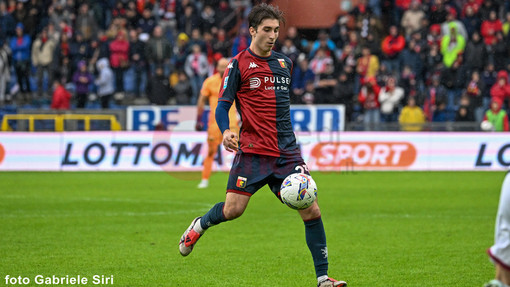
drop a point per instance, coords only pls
(316, 241)
(495, 283)
(213, 216)
(198, 228)
(322, 278)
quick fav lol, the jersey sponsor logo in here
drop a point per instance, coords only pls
(225, 82)
(277, 80)
(241, 182)
(282, 63)
(253, 65)
(254, 83)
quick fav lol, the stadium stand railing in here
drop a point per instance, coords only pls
(59, 121)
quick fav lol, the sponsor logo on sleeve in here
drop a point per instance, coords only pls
(225, 82)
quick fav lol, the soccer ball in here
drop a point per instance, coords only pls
(298, 191)
(486, 126)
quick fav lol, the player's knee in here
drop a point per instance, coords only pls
(310, 212)
(233, 212)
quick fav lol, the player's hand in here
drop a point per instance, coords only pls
(230, 141)
(199, 126)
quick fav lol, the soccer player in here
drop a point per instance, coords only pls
(500, 251)
(210, 90)
(258, 79)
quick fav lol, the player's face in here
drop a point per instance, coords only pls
(264, 38)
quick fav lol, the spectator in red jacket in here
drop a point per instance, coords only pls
(490, 27)
(368, 98)
(501, 89)
(392, 45)
(119, 58)
(61, 97)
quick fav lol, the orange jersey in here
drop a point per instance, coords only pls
(211, 89)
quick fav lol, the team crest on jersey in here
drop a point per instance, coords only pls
(241, 182)
(225, 82)
(282, 63)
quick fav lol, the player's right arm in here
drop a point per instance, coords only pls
(228, 91)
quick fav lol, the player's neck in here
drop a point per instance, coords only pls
(259, 52)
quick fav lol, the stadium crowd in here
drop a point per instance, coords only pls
(407, 61)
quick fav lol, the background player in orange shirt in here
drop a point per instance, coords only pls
(210, 90)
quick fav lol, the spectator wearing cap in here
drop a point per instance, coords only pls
(20, 46)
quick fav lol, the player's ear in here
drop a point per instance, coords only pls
(253, 31)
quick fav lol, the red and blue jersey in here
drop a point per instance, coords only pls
(260, 87)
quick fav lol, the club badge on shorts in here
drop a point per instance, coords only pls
(241, 182)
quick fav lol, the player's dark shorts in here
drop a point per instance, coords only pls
(250, 172)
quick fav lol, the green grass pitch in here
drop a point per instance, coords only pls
(383, 228)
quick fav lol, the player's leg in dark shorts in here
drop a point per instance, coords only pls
(283, 168)
(250, 172)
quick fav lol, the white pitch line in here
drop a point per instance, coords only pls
(107, 214)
